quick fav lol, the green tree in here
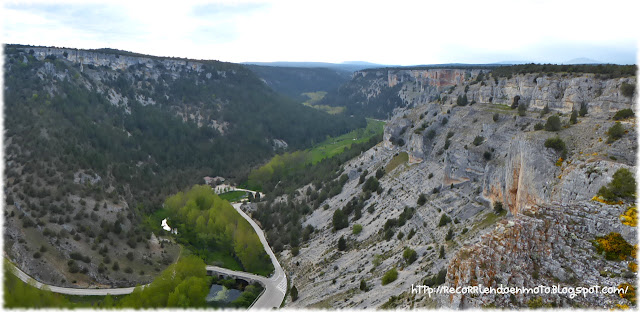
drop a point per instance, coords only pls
(574, 118)
(478, 140)
(627, 89)
(340, 220)
(182, 284)
(623, 185)
(294, 293)
(357, 228)
(18, 294)
(557, 144)
(462, 100)
(615, 132)
(497, 207)
(363, 285)
(389, 276)
(516, 99)
(583, 109)
(623, 114)
(449, 235)
(522, 110)
(371, 185)
(444, 219)
(409, 255)
(553, 123)
(422, 199)
(342, 244)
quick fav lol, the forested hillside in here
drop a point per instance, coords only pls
(294, 81)
(95, 140)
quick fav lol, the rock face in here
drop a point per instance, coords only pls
(543, 245)
(114, 61)
(464, 159)
(414, 87)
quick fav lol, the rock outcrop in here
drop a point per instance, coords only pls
(543, 245)
(463, 160)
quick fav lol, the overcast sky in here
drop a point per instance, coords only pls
(389, 32)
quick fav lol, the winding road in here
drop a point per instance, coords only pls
(275, 287)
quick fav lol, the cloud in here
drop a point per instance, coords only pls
(399, 32)
(87, 22)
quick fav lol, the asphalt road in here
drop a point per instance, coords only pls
(275, 285)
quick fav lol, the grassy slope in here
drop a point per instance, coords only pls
(335, 146)
(233, 196)
(315, 97)
(397, 161)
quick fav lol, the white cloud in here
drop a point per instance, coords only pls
(390, 32)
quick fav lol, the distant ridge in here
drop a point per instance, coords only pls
(581, 60)
(345, 66)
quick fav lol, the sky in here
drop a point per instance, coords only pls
(394, 32)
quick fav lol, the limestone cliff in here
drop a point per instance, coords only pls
(463, 159)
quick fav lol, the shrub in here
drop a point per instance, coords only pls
(379, 173)
(557, 144)
(630, 217)
(444, 121)
(441, 252)
(444, 219)
(627, 89)
(614, 246)
(295, 251)
(574, 118)
(294, 293)
(522, 110)
(583, 110)
(363, 285)
(422, 199)
(342, 244)
(340, 220)
(409, 255)
(516, 99)
(553, 123)
(431, 134)
(462, 100)
(545, 110)
(487, 155)
(357, 228)
(615, 132)
(449, 235)
(371, 185)
(497, 207)
(390, 276)
(623, 185)
(411, 233)
(436, 279)
(623, 114)
(478, 140)
(538, 126)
